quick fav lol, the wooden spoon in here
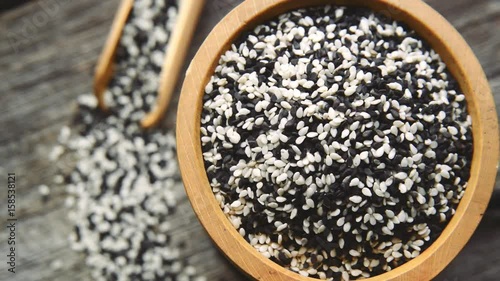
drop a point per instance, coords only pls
(105, 66)
(187, 18)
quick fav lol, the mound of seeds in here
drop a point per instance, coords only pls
(126, 182)
(336, 141)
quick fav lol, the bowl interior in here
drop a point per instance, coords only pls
(460, 61)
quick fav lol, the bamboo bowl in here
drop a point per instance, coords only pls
(460, 60)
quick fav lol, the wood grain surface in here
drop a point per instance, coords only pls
(48, 52)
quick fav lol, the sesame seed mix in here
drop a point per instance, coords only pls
(125, 184)
(336, 141)
(140, 55)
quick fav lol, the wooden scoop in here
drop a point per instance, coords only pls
(187, 18)
(105, 67)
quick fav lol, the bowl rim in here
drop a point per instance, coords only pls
(460, 61)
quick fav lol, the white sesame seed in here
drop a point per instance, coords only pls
(366, 192)
(355, 199)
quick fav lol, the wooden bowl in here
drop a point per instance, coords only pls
(460, 61)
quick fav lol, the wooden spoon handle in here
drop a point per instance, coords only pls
(189, 12)
(105, 65)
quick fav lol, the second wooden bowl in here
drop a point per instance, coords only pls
(461, 62)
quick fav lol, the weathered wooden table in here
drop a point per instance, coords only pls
(47, 53)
